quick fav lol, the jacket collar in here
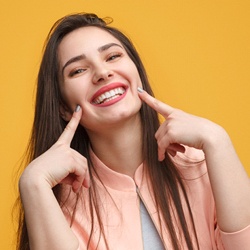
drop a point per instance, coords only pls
(115, 180)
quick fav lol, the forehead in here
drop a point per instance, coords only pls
(85, 39)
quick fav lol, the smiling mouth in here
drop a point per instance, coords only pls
(109, 95)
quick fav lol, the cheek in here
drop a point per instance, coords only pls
(88, 120)
(136, 76)
(73, 94)
(68, 97)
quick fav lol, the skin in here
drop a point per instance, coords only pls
(100, 69)
(229, 180)
(106, 126)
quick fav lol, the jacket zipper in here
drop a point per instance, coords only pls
(142, 200)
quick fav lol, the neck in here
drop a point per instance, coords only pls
(119, 147)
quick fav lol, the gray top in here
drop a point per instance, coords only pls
(151, 238)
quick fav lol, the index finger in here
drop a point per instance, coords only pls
(157, 105)
(70, 129)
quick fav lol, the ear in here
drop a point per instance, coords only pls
(65, 112)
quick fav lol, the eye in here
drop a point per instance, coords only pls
(114, 56)
(76, 72)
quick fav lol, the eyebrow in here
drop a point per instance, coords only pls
(107, 46)
(83, 56)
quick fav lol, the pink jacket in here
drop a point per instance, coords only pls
(120, 209)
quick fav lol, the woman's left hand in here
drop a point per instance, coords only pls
(228, 178)
(180, 128)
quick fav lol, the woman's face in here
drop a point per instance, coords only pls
(97, 74)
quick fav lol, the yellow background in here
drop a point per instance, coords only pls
(197, 54)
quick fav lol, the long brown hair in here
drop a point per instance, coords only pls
(48, 126)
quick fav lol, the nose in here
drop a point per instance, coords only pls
(102, 74)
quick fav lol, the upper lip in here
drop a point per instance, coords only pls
(106, 88)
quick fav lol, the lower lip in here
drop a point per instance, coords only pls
(111, 102)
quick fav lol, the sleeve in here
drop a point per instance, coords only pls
(198, 180)
(236, 240)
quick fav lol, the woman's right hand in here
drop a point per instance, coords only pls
(60, 163)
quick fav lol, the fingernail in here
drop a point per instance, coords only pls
(77, 108)
(140, 89)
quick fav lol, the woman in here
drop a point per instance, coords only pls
(105, 174)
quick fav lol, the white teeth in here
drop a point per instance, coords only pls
(109, 95)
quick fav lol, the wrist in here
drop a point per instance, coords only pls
(31, 181)
(216, 139)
